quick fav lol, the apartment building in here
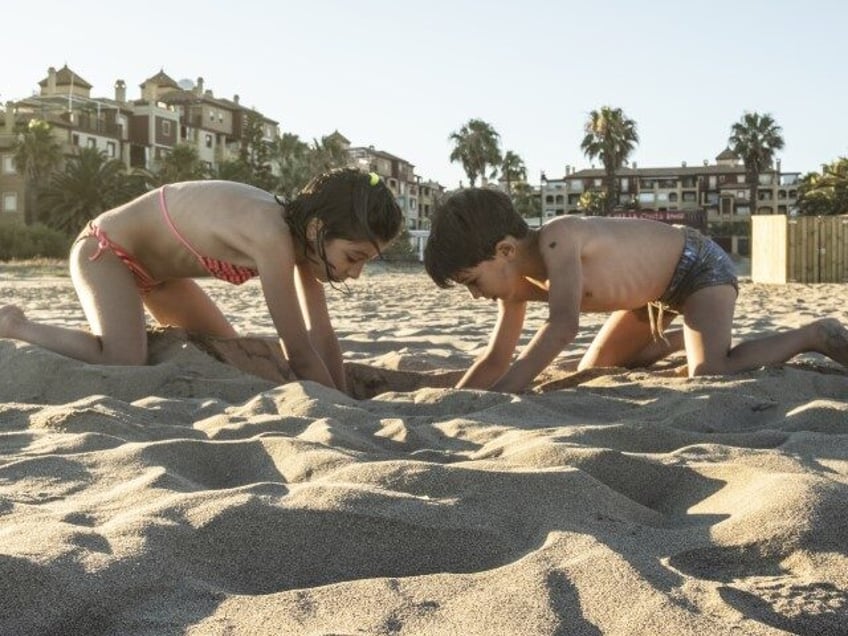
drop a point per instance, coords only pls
(415, 197)
(138, 132)
(720, 188)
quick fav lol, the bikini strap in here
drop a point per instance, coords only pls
(171, 225)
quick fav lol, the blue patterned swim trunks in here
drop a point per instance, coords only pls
(702, 264)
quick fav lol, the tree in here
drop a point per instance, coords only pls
(234, 170)
(326, 154)
(527, 201)
(825, 193)
(291, 155)
(755, 138)
(593, 202)
(476, 147)
(255, 152)
(90, 184)
(610, 137)
(183, 163)
(37, 155)
(513, 170)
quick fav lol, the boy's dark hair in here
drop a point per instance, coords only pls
(466, 227)
(348, 206)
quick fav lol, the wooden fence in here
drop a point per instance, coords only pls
(803, 249)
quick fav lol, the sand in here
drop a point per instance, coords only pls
(208, 493)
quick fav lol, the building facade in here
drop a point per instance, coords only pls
(139, 132)
(721, 189)
(142, 132)
(416, 197)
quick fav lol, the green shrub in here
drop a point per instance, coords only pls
(23, 242)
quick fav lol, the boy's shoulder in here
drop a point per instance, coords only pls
(572, 226)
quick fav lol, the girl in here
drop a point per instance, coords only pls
(145, 253)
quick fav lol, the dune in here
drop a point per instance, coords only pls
(210, 492)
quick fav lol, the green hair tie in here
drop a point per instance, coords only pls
(374, 178)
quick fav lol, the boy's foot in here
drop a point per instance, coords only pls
(834, 340)
(11, 317)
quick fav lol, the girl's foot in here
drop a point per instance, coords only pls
(11, 318)
(833, 339)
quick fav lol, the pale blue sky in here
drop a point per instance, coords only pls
(402, 76)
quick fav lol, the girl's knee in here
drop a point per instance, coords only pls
(704, 368)
(113, 356)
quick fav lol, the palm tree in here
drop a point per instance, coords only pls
(89, 185)
(825, 193)
(183, 163)
(476, 146)
(610, 137)
(255, 152)
(37, 155)
(327, 154)
(513, 170)
(755, 138)
(291, 154)
(526, 199)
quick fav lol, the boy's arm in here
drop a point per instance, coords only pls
(562, 256)
(495, 360)
(313, 299)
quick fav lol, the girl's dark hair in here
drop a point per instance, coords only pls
(348, 206)
(466, 227)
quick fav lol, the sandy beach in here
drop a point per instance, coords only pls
(206, 494)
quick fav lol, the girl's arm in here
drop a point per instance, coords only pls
(495, 360)
(277, 275)
(324, 339)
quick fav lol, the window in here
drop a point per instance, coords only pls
(211, 115)
(111, 149)
(75, 139)
(208, 140)
(740, 178)
(712, 182)
(10, 202)
(9, 164)
(91, 142)
(166, 128)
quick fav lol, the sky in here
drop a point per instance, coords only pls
(402, 76)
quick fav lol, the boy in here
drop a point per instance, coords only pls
(643, 272)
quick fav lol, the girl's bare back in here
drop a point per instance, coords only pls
(216, 219)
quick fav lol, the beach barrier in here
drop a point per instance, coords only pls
(802, 249)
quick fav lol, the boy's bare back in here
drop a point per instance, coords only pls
(623, 263)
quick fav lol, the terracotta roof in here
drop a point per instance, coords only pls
(341, 137)
(380, 153)
(162, 79)
(65, 77)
